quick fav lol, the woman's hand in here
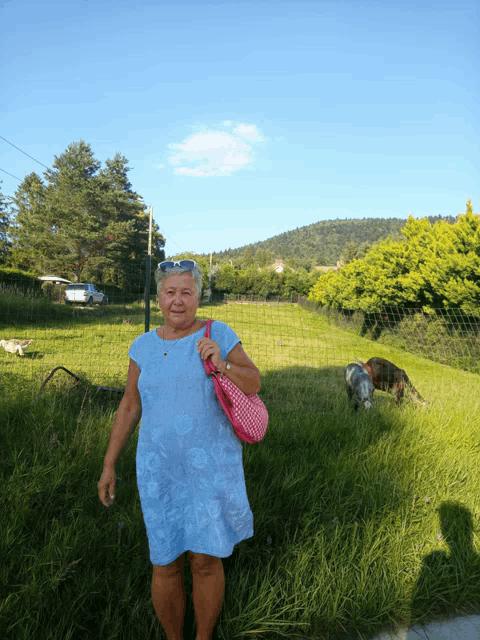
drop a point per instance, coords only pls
(242, 372)
(106, 486)
(209, 349)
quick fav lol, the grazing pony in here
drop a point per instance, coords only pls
(359, 386)
(386, 376)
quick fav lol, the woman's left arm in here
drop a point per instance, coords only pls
(241, 371)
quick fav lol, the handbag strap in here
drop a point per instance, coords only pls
(208, 324)
(208, 364)
(212, 371)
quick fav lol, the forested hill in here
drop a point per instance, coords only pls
(323, 243)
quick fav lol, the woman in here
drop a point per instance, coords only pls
(189, 460)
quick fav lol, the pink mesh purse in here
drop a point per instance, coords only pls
(247, 413)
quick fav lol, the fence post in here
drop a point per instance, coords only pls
(147, 294)
(147, 275)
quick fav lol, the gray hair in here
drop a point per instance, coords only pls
(195, 271)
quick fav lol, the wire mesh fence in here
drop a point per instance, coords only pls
(448, 336)
(92, 340)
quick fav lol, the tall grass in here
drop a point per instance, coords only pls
(362, 520)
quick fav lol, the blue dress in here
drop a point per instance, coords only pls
(189, 460)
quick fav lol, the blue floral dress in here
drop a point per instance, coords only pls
(189, 460)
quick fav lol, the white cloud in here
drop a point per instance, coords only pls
(159, 166)
(249, 132)
(215, 153)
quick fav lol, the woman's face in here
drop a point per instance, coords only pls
(178, 300)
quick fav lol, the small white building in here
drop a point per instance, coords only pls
(54, 279)
(58, 281)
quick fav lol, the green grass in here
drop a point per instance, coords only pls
(362, 520)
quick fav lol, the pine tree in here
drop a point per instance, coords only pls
(85, 222)
(5, 222)
(29, 233)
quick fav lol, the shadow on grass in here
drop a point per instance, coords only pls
(312, 430)
(62, 316)
(34, 355)
(64, 556)
(78, 393)
(319, 476)
(448, 579)
(314, 477)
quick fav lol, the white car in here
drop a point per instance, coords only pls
(86, 294)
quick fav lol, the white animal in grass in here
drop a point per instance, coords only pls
(15, 346)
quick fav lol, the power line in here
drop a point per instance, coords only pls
(24, 153)
(172, 240)
(10, 174)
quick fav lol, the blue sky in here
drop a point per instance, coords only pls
(242, 120)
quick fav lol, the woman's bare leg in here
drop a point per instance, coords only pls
(208, 591)
(168, 597)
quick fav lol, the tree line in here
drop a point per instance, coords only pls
(433, 266)
(81, 221)
(226, 278)
(321, 244)
(84, 221)
(263, 282)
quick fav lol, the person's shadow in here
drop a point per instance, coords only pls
(449, 583)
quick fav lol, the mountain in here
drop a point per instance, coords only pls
(321, 243)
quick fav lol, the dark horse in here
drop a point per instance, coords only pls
(386, 376)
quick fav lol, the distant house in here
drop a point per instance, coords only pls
(330, 268)
(54, 279)
(279, 267)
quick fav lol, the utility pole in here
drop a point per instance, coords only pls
(148, 264)
(210, 279)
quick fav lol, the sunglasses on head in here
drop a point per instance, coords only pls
(166, 265)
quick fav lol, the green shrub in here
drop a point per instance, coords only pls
(22, 280)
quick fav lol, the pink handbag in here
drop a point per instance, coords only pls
(247, 413)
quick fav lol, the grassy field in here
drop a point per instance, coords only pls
(362, 521)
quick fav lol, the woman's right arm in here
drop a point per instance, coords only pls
(126, 419)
